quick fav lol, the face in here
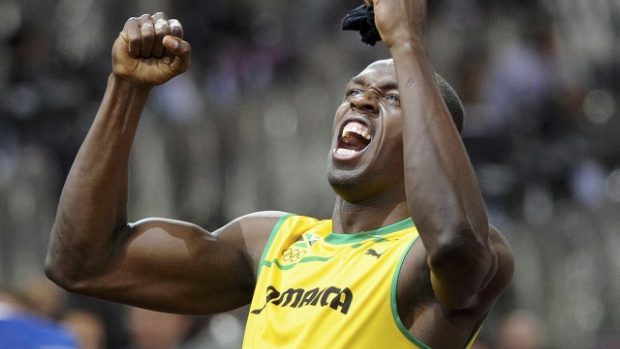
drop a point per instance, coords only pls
(366, 156)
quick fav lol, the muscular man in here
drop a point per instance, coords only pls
(408, 259)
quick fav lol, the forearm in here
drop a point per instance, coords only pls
(93, 203)
(442, 191)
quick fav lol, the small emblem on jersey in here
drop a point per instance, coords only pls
(293, 255)
(332, 297)
(374, 253)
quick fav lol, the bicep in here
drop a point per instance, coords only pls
(174, 266)
(469, 277)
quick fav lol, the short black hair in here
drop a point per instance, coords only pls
(453, 102)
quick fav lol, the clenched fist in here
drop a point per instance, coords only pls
(399, 21)
(150, 50)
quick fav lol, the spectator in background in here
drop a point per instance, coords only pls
(154, 330)
(43, 297)
(87, 327)
(20, 329)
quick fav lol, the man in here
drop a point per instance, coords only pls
(155, 330)
(20, 328)
(359, 280)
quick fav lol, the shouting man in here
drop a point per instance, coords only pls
(407, 260)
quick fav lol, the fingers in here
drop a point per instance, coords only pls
(147, 33)
(176, 28)
(160, 15)
(176, 46)
(180, 50)
(131, 34)
(144, 35)
(162, 28)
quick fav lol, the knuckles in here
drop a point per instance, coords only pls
(147, 31)
(143, 38)
(157, 24)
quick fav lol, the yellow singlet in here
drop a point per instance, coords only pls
(317, 289)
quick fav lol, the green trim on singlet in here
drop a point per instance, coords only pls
(394, 305)
(356, 238)
(474, 335)
(272, 236)
(275, 262)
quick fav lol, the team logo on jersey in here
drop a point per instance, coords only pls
(293, 254)
(332, 297)
(374, 253)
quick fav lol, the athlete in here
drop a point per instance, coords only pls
(407, 260)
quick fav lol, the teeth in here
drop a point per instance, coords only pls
(357, 128)
(346, 152)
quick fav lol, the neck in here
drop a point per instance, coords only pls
(367, 215)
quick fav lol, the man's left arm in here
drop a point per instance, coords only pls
(465, 255)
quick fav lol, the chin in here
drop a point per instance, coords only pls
(350, 185)
(363, 184)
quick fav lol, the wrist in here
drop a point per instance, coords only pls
(124, 96)
(411, 44)
(128, 86)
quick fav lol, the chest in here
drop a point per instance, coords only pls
(331, 272)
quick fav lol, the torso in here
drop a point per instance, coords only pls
(301, 293)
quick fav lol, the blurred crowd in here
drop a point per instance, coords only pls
(74, 322)
(248, 128)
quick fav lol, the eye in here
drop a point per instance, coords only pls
(353, 93)
(393, 99)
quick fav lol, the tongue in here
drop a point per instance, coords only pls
(354, 141)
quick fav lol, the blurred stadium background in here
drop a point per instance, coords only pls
(248, 128)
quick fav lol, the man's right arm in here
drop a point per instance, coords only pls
(160, 264)
(466, 256)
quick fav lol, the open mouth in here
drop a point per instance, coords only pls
(353, 139)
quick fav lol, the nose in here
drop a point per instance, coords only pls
(367, 101)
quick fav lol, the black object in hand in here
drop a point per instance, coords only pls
(362, 19)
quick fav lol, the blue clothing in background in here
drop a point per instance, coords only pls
(24, 331)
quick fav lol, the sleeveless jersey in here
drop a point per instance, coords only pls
(318, 289)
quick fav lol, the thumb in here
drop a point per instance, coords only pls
(180, 50)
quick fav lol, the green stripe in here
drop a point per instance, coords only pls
(315, 259)
(394, 305)
(474, 335)
(341, 239)
(275, 262)
(272, 236)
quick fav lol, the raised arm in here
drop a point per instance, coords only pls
(442, 191)
(161, 264)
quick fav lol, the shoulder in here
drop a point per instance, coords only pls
(251, 228)
(250, 233)
(252, 223)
